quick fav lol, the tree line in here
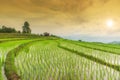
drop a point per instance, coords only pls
(5, 29)
(25, 29)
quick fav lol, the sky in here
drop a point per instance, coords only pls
(89, 20)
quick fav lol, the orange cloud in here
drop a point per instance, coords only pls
(60, 16)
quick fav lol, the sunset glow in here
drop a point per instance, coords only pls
(64, 18)
(110, 23)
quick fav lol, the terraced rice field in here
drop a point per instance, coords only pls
(5, 47)
(90, 51)
(62, 60)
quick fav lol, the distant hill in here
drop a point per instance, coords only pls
(115, 42)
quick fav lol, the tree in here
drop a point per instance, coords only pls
(46, 34)
(80, 40)
(19, 31)
(41, 34)
(5, 29)
(26, 28)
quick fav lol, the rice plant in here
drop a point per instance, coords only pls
(44, 60)
(5, 47)
(106, 48)
(105, 56)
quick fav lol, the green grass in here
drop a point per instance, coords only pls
(5, 48)
(44, 60)
(10, 69)
(50, 58)
(17, 35)
(116, 46)
(104, 56)
(11, 48)
(90, 57)
(102, 47)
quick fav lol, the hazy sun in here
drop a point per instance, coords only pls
(110, 23)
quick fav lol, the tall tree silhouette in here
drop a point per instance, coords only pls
(26, 28)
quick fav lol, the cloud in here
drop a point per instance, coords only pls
(61, 16)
